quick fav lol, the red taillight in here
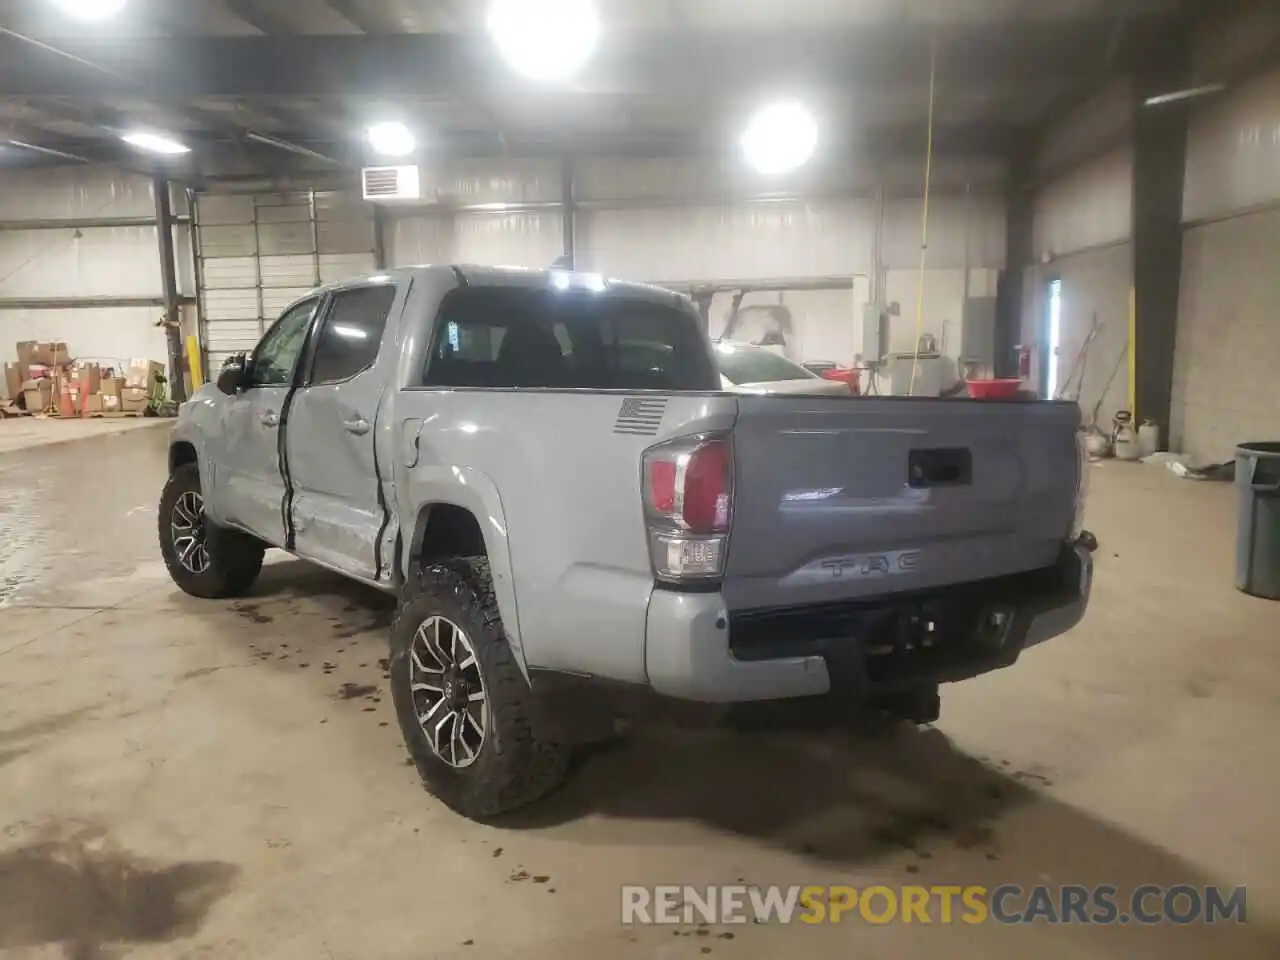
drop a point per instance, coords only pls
(662, 485)
(688, 505)
(707, 479)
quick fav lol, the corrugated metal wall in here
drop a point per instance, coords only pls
(1227, 370)
(40, 265)
(1083, 223)
(1095, 285)
(260, 252)
(685, 224)
(1091, 206)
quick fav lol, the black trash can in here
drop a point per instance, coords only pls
(1258, 529)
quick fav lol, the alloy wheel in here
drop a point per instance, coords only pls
(190, 534)
(449, 696)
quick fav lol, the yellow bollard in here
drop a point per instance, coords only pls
(193, 361)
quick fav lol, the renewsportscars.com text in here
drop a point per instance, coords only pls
(942, 904)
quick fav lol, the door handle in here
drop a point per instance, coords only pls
(269, 418)
(359, 426)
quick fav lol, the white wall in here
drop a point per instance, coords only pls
(1227, 368)
(1088, 207)
(686, 223)
(1081, 231)
(84, 262)
(1095, 287)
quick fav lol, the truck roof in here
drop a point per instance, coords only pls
(487, 276)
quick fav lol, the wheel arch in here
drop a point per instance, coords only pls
(455, 523)
(182, 453)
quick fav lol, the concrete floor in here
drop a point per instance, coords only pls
(23, 433)
(190, 779)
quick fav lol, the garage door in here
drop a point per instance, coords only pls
(260, 252)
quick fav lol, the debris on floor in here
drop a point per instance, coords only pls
(1182, 467)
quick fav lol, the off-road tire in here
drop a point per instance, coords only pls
(516, 764)
(235, 558)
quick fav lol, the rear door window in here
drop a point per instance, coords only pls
(351, 335)
(517, 337)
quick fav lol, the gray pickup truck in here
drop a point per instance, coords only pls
(543, 468)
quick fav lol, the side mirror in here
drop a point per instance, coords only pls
(231, 376)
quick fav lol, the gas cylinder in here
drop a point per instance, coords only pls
(1124, 438)
(1024, 361)
(1148, 438)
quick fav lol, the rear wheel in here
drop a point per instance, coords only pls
(466, 711)
(203, 559)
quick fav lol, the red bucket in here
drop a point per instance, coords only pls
(994, 389)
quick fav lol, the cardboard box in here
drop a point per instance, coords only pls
(39, 395)
(93, 403)
(110, 404)
(27, 352)
(13, 381)
(51, 354)
(90, 375)
(59, 355)
(134, 399)
(145, 374)
(111, 386)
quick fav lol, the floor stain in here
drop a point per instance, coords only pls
(82, 891)
(197, 674)
(17, 741)
(253, 612)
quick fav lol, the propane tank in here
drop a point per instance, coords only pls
(1024, 361)
(1124, 438)
(1148, 438)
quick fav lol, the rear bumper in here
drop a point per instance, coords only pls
(696, 650)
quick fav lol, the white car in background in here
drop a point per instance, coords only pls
(747, 368)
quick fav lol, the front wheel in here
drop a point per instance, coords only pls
(465, 709)
(203, 559)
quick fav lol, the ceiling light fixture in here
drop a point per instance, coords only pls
(155, 143)
(90, 9)
(392, 139)
(545, 40)
(781, 137)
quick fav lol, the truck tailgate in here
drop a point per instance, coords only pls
(839, 499)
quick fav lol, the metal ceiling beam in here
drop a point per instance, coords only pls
(258, 17)
(355, 15)
(674, 64)
(884, 143)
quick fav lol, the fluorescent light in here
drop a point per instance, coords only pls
(392, 139)
(1188, 94)
(90, 9)
(781, 137)
(545, 39)
(155, 143)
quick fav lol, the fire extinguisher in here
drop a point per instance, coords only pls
(1024, 361)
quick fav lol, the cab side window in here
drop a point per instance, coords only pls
(351, 334)
(277, 354)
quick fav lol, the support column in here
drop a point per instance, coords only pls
(1010, 295)
(381, 225)
(1159, 171)
(569, 216)
(169, 289)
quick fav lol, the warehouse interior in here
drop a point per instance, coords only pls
(1083, 195)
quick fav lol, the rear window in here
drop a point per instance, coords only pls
(570, 339)
(741, 365)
